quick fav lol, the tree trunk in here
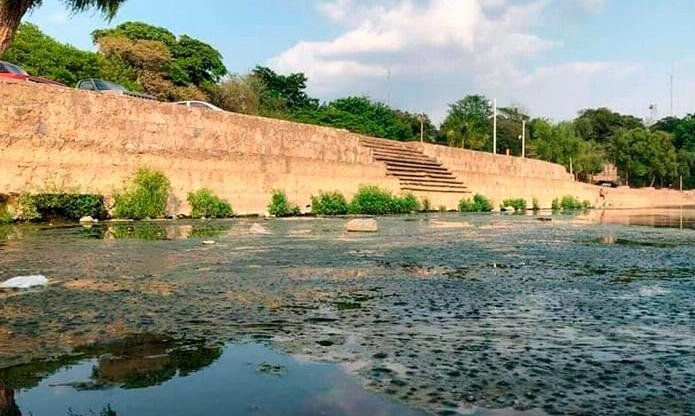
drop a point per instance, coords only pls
(11, 13)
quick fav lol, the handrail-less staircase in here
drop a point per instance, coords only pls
(415, 171)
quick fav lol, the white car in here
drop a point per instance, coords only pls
(199, 104)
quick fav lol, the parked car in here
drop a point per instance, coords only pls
(108, 87)
(10, 71)
(199, 104)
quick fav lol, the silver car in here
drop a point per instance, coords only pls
(199, 104)
(108, 87)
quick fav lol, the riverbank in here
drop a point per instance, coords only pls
(79, 141)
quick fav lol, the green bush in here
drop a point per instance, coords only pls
(205, 204)
(518, 204)
(371, 200)
(280, 207)
(5, 217)
(329, 203)
(72, 207)
(478, 204)
(536, 205)
(405, 204)
(556, 204)
(145, 197)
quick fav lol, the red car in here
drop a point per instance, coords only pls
(13, 72)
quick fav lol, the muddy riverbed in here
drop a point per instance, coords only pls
(442, 314)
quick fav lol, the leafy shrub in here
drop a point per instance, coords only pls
(5, 217)
(204, 203)
(442, 208)
(478, 204)
(536, 205)
(518, 204)
(405, 204)
(47, 206)
(280, 207)
(556, 204)
(371, 200)
(145, 197)
(329, 203)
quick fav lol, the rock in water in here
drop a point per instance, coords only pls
(259, 229)
(86, 220)
(24, 282)
(208, 243)
(362, 226)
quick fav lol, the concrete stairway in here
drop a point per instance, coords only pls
(415, 171)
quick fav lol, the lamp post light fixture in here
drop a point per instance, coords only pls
(494, 126)
(421, 119)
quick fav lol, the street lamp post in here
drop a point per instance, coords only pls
(421, 119)
(523, 138)
(494, 126)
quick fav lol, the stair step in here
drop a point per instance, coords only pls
(412, 155)
(397, 147)
(402, 161)
(433, 181)
(417, 166)
(421, 174)
(433, 189)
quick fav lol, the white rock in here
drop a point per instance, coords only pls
(259, 229)
(24, 282)
(368, 225)
(208, 242)
(86, 219)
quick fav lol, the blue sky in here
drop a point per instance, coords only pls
(552, 57)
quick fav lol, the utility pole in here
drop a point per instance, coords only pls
(523, 138)
(421, 118)
(494, 126)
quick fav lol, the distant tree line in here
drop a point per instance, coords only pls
(151, 59)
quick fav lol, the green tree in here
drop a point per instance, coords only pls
(601, 124)
(43, 56)
(509, 123)
(12, 12)
(467, 123)
(645, 158)
(191, 62)
(283, 93)
(239, 94)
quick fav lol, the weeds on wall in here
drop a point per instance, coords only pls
(517, 204)
(536, 205)
(205, 204)
(67, 206)
(372, 200)
(570, 203)
(478, 204)
(329, 203)
(144, 197)
(280, 206)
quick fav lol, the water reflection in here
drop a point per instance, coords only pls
(190, 380)
(682, 218)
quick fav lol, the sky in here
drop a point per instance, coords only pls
(552, 58)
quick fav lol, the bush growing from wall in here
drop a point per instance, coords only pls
(280, 206)
(205, 204)
(556, 204)
(71, 207)
(570, 203)
(372, 200)
(426, 204)
(5, 217)
(536, 205)
(478, 204)
(329, 203)
(518, 204)
(145, 197)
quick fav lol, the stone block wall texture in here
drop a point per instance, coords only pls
(59, 138)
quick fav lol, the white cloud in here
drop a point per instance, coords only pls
(436, 51)
(60, 17)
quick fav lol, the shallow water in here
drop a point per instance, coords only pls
(447, 313)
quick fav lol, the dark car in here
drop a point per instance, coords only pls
(108, 87)
(12, 72)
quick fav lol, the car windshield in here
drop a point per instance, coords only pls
(13, 69)
(107, 85)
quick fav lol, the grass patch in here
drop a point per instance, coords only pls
(280, 206)
(372, 200)
(329, 203)
(71, 207)
(145, 197)
(478, 204)
(205, 204)
(517, 204)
